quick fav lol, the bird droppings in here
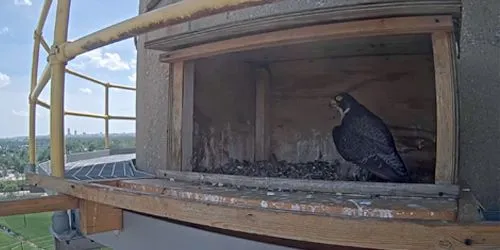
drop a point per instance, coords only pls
(414, 206)
(263, 204)
(362, 211)
(270, 194)
(366, 203)
(295, 207)
(312, 170)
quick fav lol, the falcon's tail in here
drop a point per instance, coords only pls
(387, 166)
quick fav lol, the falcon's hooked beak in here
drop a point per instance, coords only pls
(334, 104)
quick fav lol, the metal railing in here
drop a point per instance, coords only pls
(63, 51)
(37, 88)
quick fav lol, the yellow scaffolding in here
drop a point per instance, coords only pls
(55, 70)
(63, 51)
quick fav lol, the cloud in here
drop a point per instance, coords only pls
(133, 63)
(4, 30)
(23, 113)
(4, 80)
(23, 2)
(132, 77)
(107, 60)
(76, 65)
(85, 90)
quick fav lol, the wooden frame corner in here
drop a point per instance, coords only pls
(446, 149)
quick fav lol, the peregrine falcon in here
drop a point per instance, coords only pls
(363, 139)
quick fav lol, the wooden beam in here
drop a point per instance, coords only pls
(373, 27)
(187, 116)
(331, 204)
(369, 233)
(98, 218)
(341, 187)
(446, 151)
(294, 15)
(262, 114)
(38, 205)
(175, 142)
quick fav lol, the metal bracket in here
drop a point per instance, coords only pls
(57, 55)
(456, 35)
(36, 34)
(469, 208)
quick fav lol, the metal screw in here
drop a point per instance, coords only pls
(468, 242)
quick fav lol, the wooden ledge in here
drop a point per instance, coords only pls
(377, 189)
(371, 233)
(329, 204)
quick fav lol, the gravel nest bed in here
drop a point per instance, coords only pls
(312, 170)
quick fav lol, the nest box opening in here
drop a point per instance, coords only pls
(266, 112)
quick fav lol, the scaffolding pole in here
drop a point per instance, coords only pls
(44, 79)
(57, 90)
(106, 114)
(34, 76)
(182, 11)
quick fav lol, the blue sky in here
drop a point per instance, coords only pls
(114, 63)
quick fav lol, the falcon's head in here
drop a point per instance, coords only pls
(343, 102)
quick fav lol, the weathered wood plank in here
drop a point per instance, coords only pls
(445, 102)
(175, 162)
(330, 11)
(262, 114)
(38, 205)
(187, 116)
(407, 45)
(341, 187)
(384, 26)
(98, 218)
(224, 113)
(437, 209)
(370, 233)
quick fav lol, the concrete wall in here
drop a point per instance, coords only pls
(151, 108)
(479, 92)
